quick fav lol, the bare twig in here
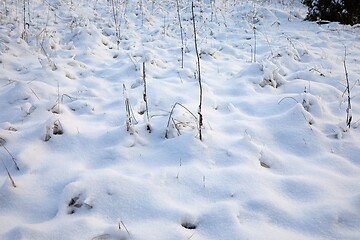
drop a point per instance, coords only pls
(10, 81)
(171, 113)
(8, 173)
(348, 110)
(128, 112)
(12, 157)
(254, 32)
(286, 98)
(181, 33)
(133, 62)
(125, 227)
(117, 30)
(199, 74)
(34, 93)
(176, 127)
(316, 70)
(297, 57)
(66, 95)
(145, 100)
(24, 33)
(51, 62)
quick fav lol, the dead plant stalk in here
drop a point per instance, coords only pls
(128, 111)
(348, 109)
(200, 124)
(8, 173)
(181, 33)
(145, 100)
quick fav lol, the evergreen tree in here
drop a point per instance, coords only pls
(343, 11)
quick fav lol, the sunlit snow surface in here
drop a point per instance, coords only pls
(276, 161)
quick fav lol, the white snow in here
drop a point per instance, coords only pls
(277, 160)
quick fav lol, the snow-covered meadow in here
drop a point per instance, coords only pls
(277, 159)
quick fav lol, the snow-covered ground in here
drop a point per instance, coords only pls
(277, 160)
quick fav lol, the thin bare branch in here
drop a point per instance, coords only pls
(200, 125)
(348, 110)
